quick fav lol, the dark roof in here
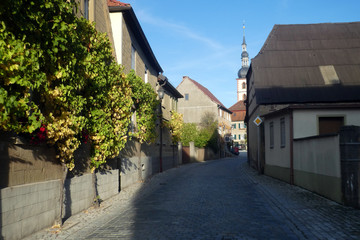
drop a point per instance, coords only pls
(132, 21)
(311, 107)
(308, 63)
(169, 88)
(208, 93)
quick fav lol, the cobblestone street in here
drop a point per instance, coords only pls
(220, 200)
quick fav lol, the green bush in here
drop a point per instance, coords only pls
(201, 136)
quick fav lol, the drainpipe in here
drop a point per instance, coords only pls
(291, 148)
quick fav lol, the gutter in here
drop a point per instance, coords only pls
(291, 148)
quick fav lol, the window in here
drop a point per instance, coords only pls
(133, 55)
(186, 97)
(234, 136)
(240, 137)
(329, 125)
(282, 132)
(243, 85)
(244, 125)
(239, 125)
(244, 96)
(146, 78)
(271, 135)
(234, 126)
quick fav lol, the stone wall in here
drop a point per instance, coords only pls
(28, 208)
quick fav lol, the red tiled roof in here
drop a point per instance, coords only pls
(207, 93)
(115, 3)
(239, 106)
(238, 116)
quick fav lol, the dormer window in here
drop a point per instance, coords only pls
(329, 75)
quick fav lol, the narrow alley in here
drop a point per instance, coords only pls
(221, 199)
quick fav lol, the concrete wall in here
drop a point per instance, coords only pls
(140, 161)
(196, 154)
(317, 166)
(79, 194)
(306, 121)
(80, 191)
(28, 208)
(107, 183)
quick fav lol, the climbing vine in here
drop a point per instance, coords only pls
(59, 82)
(145, 104)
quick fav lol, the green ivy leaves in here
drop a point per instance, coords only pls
(58, 72)
(145, 105)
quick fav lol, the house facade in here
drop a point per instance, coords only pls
(304, 86)
(133, 52)
(197, 101)
(238, 125)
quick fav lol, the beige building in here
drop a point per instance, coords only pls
(238, 126)
(197, 101)
(133, 51)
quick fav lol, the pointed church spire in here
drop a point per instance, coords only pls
(244, 57)
(244, 33)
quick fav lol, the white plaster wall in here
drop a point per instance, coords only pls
(306, 121)
(277, 156)
(318, 156)
(116, 26)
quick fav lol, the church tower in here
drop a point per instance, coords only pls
(241, 80)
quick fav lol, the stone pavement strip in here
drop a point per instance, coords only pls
(220, 200)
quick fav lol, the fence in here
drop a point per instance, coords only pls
(350, 164)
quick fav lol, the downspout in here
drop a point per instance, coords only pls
(291, 148)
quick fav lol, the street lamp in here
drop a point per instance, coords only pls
(161, 93)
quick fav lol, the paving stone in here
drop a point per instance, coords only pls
(220, 200)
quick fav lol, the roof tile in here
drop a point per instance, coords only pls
(115, 3)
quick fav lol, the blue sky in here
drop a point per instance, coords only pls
(202, 39)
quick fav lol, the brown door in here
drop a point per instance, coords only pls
(329, 125)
